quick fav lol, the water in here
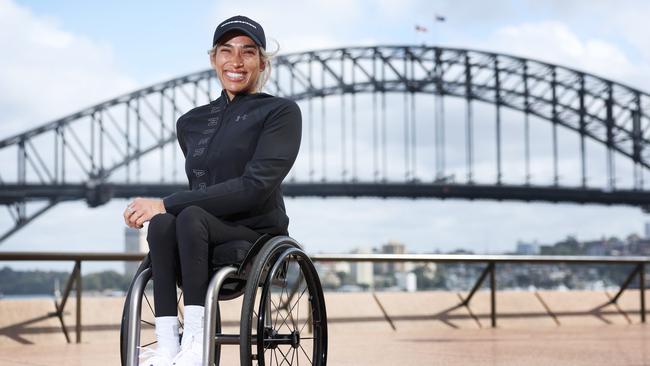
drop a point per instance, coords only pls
(25, 296)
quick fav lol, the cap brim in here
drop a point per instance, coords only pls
(242, 30)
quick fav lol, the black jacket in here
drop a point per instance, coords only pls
(236, 155)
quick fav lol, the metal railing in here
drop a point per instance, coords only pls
(491, 262)
(74, 279)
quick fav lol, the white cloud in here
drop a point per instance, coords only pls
(555, 42)
(53, 72)
(47, 72)
(288, 22)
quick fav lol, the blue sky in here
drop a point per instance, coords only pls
(113, 47)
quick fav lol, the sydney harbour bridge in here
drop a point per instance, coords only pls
(382, 121)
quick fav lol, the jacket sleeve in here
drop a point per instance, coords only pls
(275, 153)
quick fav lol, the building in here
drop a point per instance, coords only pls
(362, 272)
(407, 281)
(527, 248)
(333, 274)
(135, 241)
(392, 247)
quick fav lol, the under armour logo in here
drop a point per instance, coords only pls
(241, 117)
(213, 121)
(198, 172)
(202, 186)
(198, 152)
(208, 131)
(203, 141)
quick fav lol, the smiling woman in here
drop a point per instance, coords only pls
(238, 149)
(238, 63)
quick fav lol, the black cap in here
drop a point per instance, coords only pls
(243, 24)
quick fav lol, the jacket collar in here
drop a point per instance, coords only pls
(237, 97)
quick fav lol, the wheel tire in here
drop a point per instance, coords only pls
(316, 316)
(282, 262)
(263, 261)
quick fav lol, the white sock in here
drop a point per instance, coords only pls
(193, 327)
(167, 334)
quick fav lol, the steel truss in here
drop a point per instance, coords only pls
(108, 150)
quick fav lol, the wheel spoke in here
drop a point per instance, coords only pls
(299, 279)
(284, 321)
(303, 326)
(297, 320)
(283, 355)
(281, 304)
(277, 311)
(293, 354)
(147, 323)
(303, 351)
(148, 344)
(149, 304)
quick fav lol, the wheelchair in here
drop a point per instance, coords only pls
(283, 315)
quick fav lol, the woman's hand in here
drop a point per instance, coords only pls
(142, 210)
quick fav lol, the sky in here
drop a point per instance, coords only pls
(62, 56)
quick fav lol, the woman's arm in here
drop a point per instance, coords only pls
(274, 156)
(141, 210)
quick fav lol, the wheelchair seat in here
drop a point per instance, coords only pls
(238, 253)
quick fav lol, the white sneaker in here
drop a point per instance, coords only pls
(191, 353)
(154, 357)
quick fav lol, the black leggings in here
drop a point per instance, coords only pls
(181, 244)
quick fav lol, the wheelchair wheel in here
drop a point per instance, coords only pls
(146, 337)
(283, 315)
(124, 339)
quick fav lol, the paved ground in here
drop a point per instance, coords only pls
(546, 328)
(608, 345)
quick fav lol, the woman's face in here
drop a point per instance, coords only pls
(238, 64)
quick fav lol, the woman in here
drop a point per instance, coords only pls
(237, 149)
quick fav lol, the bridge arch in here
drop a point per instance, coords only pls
(89, 147)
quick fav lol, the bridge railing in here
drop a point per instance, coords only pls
(491, 262)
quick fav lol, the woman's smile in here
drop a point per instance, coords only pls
(238, 64)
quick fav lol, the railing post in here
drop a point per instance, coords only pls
(642, 289)
(78, 283)
(493, 297)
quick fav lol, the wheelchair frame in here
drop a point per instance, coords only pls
(263, 267)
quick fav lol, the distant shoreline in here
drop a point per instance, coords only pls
(50, 296)
(24, 296)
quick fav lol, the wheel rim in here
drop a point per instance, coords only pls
(290, 327)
